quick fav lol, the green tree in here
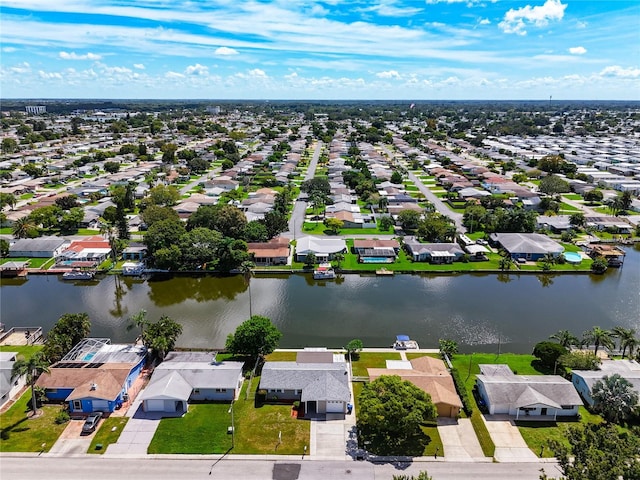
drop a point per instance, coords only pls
(255, 231)
(409, 219)
(138, 320)
(166, 196)
(553, 184)
(577, 219)
(448, 347)
(4, 247)
(333, 224)
(390, 414)
(275, 223)
(385, 223)
(626, 337)
(598, 337)
(199, 247)
(24, 228)
(157, 213)
(599, 265)
(67, 332)
(67, 202)
(593, 196)
(31, 368)
(353, 348)
(505, 263)
(161, 336)
(310, 259)
(396, 177)
(565, 338)
(70, 220)
(614, 398)
(111, 167)
(597, 452)
(163, 234)
(579, 361)
(7, 199)
(255, 337)
(548, 353)
(9, 145)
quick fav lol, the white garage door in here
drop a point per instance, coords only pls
(154, 405)
(335, 407)
(100, 406)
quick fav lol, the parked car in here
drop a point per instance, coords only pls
(91, 422)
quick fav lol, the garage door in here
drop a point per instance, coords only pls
(335, 407)
(100, 406)
(154, 405)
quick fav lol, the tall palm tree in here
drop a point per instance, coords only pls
(138, 320)
(246, 268)
(599, 337)
(22, 227)
(32, 368)
(565, 338)
(625, 336)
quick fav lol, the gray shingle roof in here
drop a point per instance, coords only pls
(318, 381)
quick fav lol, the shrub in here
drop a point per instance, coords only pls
(467, 406)
(62, 417)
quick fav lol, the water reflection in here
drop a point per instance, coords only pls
(165, 291)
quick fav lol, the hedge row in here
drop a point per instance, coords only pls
(467, 404)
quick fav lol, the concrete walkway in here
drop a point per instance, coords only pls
(459, 441)
(510, 446)
(72, 442)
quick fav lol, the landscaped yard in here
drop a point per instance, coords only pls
(22, 434)
(33, 262)
(371, 360)
(25, 351)
(108, 433)
(204, 429)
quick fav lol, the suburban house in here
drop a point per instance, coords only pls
(95, 376)
(376, 251)
(323, 248)
(274, 252)
(530, 246)
(45, 247)
(583, 380)
(526, 395)
(433, 252)
(430, 375)
(318, 379)
(86, 252)
(9, 386)
(191, 376)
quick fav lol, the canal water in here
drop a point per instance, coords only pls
(482, 312)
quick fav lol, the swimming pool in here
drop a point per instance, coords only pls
(572, 257)
(376, 259)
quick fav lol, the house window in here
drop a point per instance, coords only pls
(77, 405)
(221, 390)
(567, 407)
(53, 390)
(296, 392)
(196, 391)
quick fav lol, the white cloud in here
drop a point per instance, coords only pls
(485, 21)
(516, 20)
(256, 72)
(139, 66)
(9, 49)
(225, 51)
(197, 69)
(388, 74)
(618, 71)
(173, 75)
(577, 50)
(75, 56)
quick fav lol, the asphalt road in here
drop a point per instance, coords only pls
(97, 467)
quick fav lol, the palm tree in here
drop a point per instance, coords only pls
(625, 335)
(138, 320)
(383, 201)
(565, 338)
(505, 263)
(32, 368)
(23, 227)
(339, 257)
(246, 270)
(599, 337)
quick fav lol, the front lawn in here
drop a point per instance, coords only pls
(23, 351)
(22, 434)
(371, 360)
(33, 262)
(203, 429)
(108, 433)
(281, 357)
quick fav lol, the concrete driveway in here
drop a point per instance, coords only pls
(459, 440)
(71, 441)
(510, 446)
(137, 433)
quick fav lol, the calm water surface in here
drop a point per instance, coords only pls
(479, 311)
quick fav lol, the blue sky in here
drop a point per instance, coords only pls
(306, 49)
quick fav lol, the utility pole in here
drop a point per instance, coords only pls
(233, 426)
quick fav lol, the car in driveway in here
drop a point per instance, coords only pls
(91, 422)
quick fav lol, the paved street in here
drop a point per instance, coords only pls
(97, 467)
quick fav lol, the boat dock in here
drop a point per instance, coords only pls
(384, 272)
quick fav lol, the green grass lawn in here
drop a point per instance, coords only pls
(29, 435)
(572, 196)
(109, 432)
(281, 357)
(537, 434)
(203, 429)
(26, 351)
(33, 262)
(568, 208)
(87, 231)
(371, 360)
(6, 231)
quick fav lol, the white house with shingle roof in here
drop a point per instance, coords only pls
(319, 382)
(583, 380)
(526, 395)
(323, 248)
(190, 376)
(530, 246)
